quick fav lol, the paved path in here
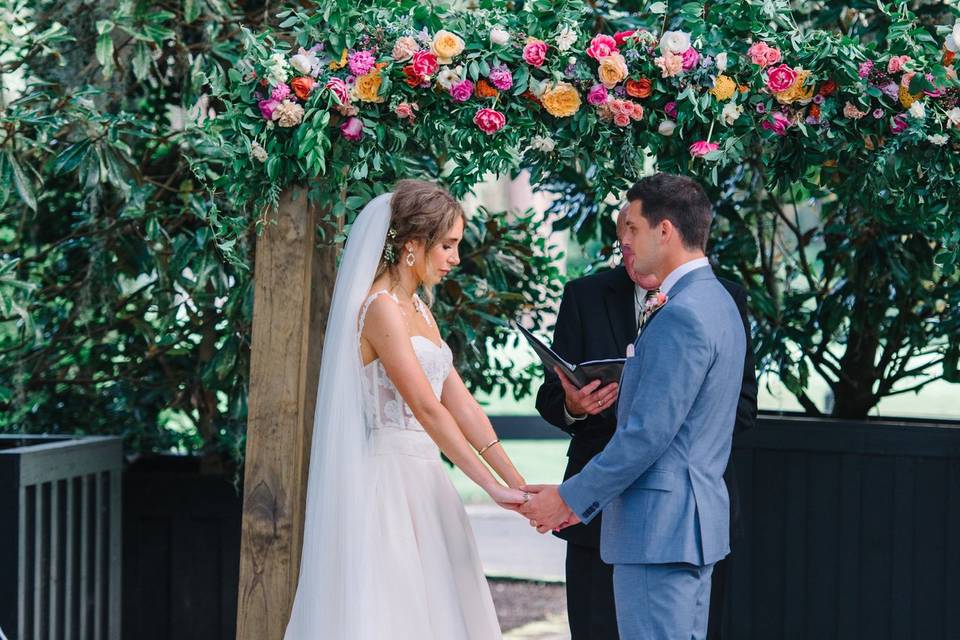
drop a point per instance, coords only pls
(510, 548)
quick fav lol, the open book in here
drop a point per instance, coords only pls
(582, 374)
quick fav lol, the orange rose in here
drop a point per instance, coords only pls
(948, 58)
(641, 88)
(485, 90)
(302, 86)
(561, 100)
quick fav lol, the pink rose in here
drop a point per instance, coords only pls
(267, 108)
(778, 125)
(597, 95)
(339, 89)
(361, 62)
(489, 120)
(352, 129)
(897, 63)
(937, 91)
(763, 55)
(404, 48)
(772, 56)
(690, 58)
(461, 91)
(621, 120)
(671, 109)
(406, 110)
(865, 68)
(535, 53)
(601, 46)
(424, 64)
(501, 78)
(702, 148)
(898, 124)
(280, 92)
(780, 78)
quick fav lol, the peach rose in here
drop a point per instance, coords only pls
(446, 46)
(404, 48)
(367, 87)
(641, 88)
(561, 100)
(613, 69)
(302, 86)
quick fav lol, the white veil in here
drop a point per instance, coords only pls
(334, 565)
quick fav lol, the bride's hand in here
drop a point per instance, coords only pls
(508, 498)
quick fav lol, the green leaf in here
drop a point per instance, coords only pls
(191, 10)
(104, 53)
(22, 184)
(141, 61)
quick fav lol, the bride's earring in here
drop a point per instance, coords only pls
(411, 259)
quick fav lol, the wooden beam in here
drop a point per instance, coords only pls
(293, 284)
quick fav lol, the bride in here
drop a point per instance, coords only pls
(388, 553)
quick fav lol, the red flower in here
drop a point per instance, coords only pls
(425, 63)
(489, 120)
(621, 36)
(302, 86)
(828, 88)
(412, 78)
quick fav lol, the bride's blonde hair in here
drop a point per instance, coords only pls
(419, 211)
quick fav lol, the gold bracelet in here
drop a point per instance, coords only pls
(481, 452)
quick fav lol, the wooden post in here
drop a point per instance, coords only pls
(293, 284)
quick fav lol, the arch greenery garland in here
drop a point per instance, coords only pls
(771, 118)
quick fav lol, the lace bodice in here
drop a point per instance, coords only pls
(383, 406)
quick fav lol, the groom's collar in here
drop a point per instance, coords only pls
(678, 273)
(700, 272)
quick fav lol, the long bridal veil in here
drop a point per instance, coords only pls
(337, 549)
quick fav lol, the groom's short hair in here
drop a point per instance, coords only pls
(679, 199)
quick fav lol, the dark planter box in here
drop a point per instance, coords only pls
(181, 557)
(60, 527)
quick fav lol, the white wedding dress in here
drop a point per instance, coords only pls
(388, 553)
(429, 582)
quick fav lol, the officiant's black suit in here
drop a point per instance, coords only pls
(597, 320)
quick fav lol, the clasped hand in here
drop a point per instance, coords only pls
(545, 509)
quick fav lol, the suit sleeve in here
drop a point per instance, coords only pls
(673, 358)
(747, 405)
(567, 342)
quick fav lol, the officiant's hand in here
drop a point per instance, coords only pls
(591, 399)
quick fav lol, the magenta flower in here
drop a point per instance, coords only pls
(461, 91)
(361, 62)
(690, 58)
(898, 124)
(352, 129)
(671, 109)
(501, 78)
(267, 107)
(865, 68)
(280, 92)
(778, 123)
(702, 147)
(597, 95)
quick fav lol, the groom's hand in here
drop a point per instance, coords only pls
(591, 399)
(545, 509)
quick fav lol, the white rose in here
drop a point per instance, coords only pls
(658, 8)
(666, 128)
(543, 143)
(572, 60)
(917, 110)
(258, 152)
(954, 116)
(938, 139)
(498, 35)
(449, 75)
(953, 39)
(566, 38)
(675, 42)
(277, 71)
(731, 112)
(301, 63)
(721, 61)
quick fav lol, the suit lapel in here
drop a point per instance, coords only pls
(703, 273)
(618, 299)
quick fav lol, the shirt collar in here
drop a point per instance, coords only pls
(675, 275)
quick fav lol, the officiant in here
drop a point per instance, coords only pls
(599, 317)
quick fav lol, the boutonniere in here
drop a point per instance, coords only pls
(650, 305)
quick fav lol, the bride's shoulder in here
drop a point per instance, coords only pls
(380, 310)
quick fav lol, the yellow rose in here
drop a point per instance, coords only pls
(561, 100)
(367, 87)
(446, 46)
(613, 69)
(797, 92)
(906, 98)
(341, 63)
(723, 88)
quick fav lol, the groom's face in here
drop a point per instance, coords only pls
(640, 244)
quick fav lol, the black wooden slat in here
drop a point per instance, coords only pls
(931, 545)
(823, 523)
(83, 608)
(794, 561)
(41, 536)
(769, 519)
(849, 575)
(71, 573)
(741, 558)
(99, 557)
(902, 567)
(951, 506)
(28, 560)
(877, 547)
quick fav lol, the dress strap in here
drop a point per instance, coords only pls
(422, 308)
(369, 301)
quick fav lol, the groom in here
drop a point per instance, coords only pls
(659, 481)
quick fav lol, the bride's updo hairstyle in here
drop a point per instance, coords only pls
(419, 211)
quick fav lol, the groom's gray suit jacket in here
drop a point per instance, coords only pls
(659, 481)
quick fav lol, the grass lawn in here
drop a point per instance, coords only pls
(540, 462)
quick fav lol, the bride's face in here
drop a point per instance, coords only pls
(433, 265)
